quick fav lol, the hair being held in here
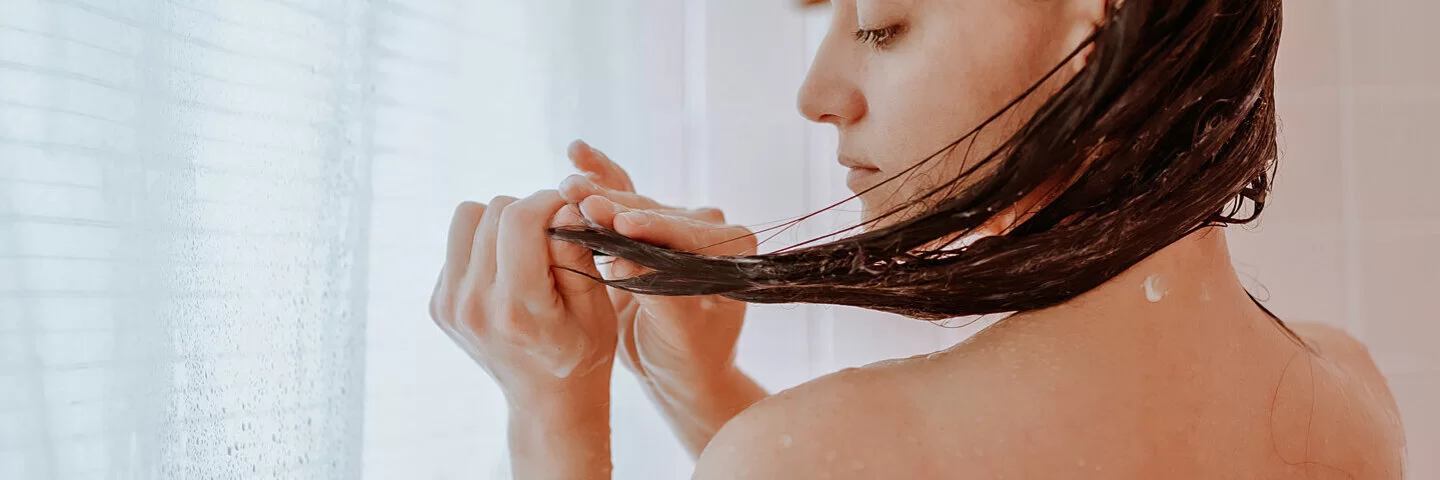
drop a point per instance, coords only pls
(1169, 127)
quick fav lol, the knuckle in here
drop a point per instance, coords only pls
(513, 215)
(468, 208)
(438, 296)
(529, 209)
(511, 325)
(500, 202)
(467, 307)
(469, 314)
(437, 309)
(710, 214)
(467, 212)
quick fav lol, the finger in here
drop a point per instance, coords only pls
(566, 255)
(482, 249)
(462, 236)
(522, 249)
(681, 233)
(576, 188)
(606, 172)
(601, 210)
(525, 279)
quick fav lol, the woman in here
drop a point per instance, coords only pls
(1108, 144)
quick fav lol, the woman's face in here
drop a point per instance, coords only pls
(901, 79)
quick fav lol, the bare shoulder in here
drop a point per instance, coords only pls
(910, 418)
(843, 425)
(1350, 404)
(1343, 353)
(1335, 344)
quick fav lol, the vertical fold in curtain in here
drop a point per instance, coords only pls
(183, 208)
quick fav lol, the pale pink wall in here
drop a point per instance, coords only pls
(1352, 236)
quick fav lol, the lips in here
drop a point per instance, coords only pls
(854, 163)
(861, 174)
(860, 178)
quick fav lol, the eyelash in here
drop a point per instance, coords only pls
(879, 38)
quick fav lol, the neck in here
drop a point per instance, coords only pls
(1189, 283)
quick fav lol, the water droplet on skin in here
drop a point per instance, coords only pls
(830, 457)
(785, 440)
(1080, 462)
(857, 465)
(1155, 288)
(979, 452)
(1204, 292)
(707, 304)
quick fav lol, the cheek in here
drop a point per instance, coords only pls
(945, 85)
(918, 105)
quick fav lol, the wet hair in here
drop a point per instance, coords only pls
(1169, 127)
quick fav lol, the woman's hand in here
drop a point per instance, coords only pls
(546, 335)
(535, 328)
(682, 348)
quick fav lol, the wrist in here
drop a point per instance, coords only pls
(702, 382)
(692, 375)
(697, 407)
(707, 399)
(544, 421)
(552, 393)
(573, 425)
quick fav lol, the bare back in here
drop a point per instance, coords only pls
(1012, 403)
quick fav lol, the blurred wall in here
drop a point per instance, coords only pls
(1350, 236)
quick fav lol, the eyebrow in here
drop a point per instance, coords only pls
(810, 3)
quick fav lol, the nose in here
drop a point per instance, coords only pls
(830, 93)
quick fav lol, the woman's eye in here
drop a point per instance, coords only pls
(879, 38)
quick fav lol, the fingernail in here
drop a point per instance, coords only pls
(638, 219)
(577, 181)
(578, 146)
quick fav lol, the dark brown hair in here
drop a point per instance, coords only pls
(1169, 127)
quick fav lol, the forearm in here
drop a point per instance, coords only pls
(561, 439)
(697, 408)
